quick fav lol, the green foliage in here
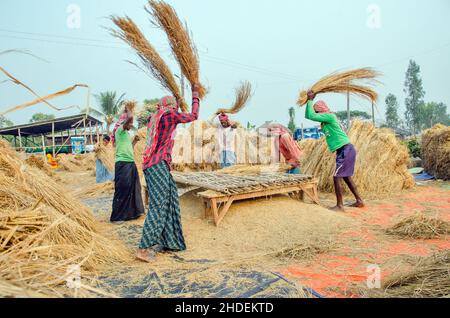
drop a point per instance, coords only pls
(291, 124)
(414, 96)
(433, 113)
(250, 126)
(354, 114)
(38, 117)
(110, 107)
(4, 122)
(414, 148)
(392, 119)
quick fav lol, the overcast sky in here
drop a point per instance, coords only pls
(279, 46)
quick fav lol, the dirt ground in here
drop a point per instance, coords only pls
(243, 256)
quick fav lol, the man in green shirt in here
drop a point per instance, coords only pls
(338, 142)
(127, 202)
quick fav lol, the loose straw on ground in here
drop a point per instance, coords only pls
(183, 48)
(153, 64)
(344, 82)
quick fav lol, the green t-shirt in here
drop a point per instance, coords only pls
(336, 137)
(124, 146)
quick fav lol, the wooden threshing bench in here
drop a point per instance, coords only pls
(224, 189)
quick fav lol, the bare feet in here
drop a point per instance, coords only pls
(337, 208)
(358, 204)
(148, 256)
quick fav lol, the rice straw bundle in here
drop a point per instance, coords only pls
(183, 48)
(153, 64)
(256, 169)
(96, 190)
(106, 155)
(41, 164)
(243, 94)
(436, 151)
(420, 227)
(344, 82)
(78, 163)
(381, 162)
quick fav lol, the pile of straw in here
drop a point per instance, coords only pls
(429, 278)
(152, 62)
(78, 163)
(256, 169)
(381, 162)
(41, 164)
(344, 82)
(183, 48)
(95, 191)
(420, 227)
(436, 151)
(43, 231)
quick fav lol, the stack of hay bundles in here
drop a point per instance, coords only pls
(43, 232)
(436, 151)
(381, 163)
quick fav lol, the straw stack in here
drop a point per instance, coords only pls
(436, 151)
(43, 231)
(381, 162)
(344, 82)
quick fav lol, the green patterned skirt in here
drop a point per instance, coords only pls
(163, 223)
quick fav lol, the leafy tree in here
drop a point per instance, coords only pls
(392, 119)
(38, 117)
(291, 124)
(415, 94)
(431, 114)
(4, 122)
(356, 114)
(110, 107)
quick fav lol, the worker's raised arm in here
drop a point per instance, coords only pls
(312, 115)
(193, 116)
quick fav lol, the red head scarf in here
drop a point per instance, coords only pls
(321, 107)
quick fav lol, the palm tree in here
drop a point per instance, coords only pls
(110, 107)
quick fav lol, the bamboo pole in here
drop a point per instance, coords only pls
(90, 132)
(43, 147)
(20, 140)
(53, 138)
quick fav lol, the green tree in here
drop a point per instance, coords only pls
(38, 117)
(392, 119)
(4, 122)
(355, 114)
(431, 114)
(110, 107)
(291, 124)
(414, 96)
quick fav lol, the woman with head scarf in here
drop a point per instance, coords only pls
(127, 202)
(162, 227)
(227, 139)
(338, 142)
(288, 147)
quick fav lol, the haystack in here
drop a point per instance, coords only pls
(436, 151)
(77, 163)
(44, 231)
(381, 163)
(356, 82)
(40, 163)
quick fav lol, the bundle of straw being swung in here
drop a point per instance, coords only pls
(344, 82)
(183, 48)
(243, 95)
(152, 62)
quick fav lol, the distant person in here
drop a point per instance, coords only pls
(162, 227)
(288, 147)
(127, 202)
(102, 174)
(338, 142)
(227, 141)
